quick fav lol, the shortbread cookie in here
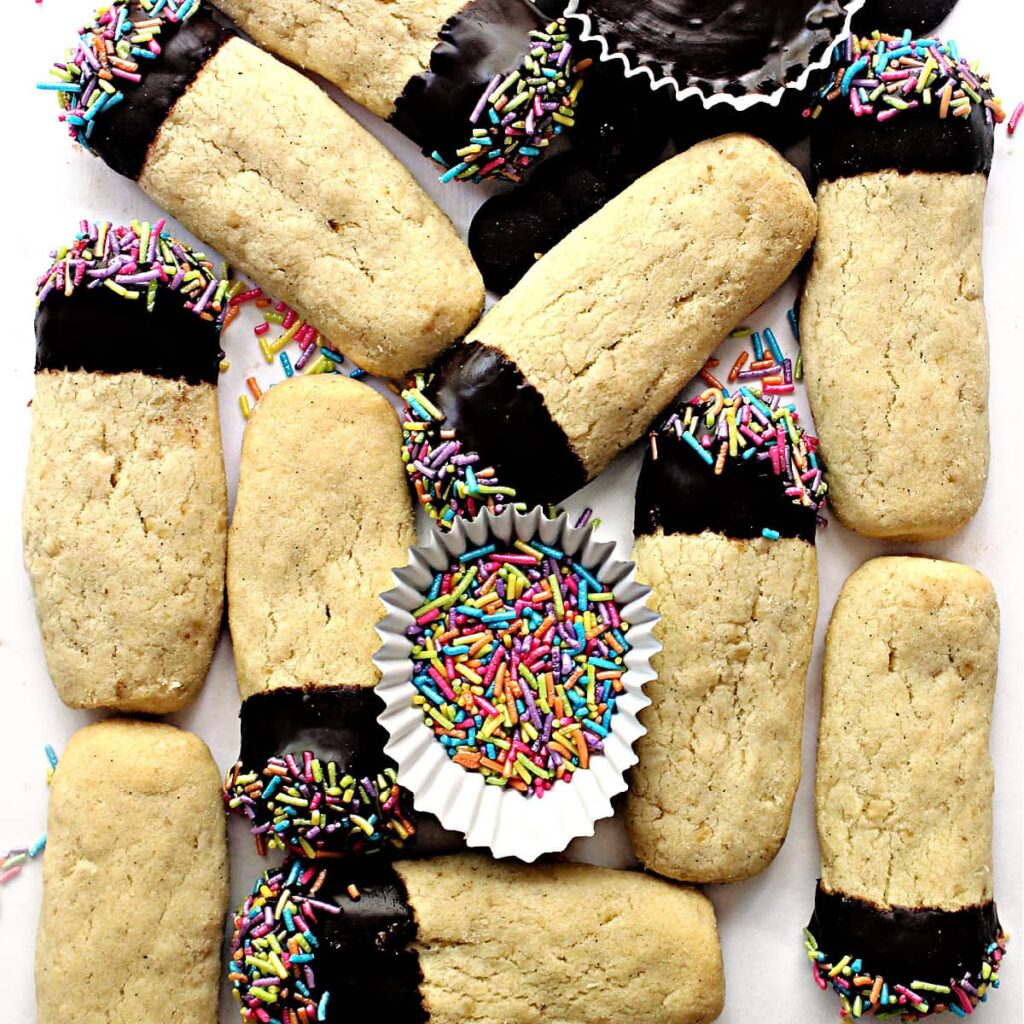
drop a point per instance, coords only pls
(135, 885)
(569, 369)
(255, 159)
(730, 558)
(125, 508)
(318, 527)
(395, 944)
(903, 912)
(901, 402)
(483, 86)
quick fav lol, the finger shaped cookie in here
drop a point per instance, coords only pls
(904, 920)
(906, 142)
(312, 544)
(125, 508)
(570, 368)
(389, 941)
(727, 545)
(256, 160)
(483, 86)
(135, 883)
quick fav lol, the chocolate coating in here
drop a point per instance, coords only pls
(486, 38)
(511, 229)
(896, 15)
(502, 417)
(123, 134)
(681, 494)
(732, 46)
(844, 145)
(904, 944)
(335, 723)
(96, 330)
(365, 957)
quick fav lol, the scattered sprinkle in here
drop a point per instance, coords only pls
(519, 114)
(134, 261)
(518, 656)
(312, 353)
(861, 992)
(307, 806)
(449, 482)
(722, 425)
(274, 947)
(1018, 112)
(114, 52)
(12, 861)
(884, 76)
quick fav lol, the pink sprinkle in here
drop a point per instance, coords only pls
(1015, 117)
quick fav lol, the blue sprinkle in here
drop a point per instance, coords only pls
(771, 535)
(773, 344)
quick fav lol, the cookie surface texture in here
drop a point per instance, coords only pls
(135, 880)
(125, 523)
(660, 276)
(645, 951)
(711, 797)
(317, 530)
(904, 779)
(900, 401)
(262, 165)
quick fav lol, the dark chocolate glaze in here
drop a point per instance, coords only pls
(844, 145)
(680, 493)
(334, 723)
(512, 229)
(896, 15)
(904, 944)
(621, 131)
(501, 416)
(486, 38)
(94, 329)
(365, 957)
(123, 134)
(733, 46)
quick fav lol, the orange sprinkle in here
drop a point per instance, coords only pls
(741, 360)
(581, 748)
(254, 388)
(468, 759)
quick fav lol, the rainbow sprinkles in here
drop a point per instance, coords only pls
(519, 114)
(112, 54)
(883, 76)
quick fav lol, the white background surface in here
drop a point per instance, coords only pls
(50, 185)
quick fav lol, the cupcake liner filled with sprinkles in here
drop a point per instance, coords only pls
(883, 76)
(516, 648)
(519, 114)
(863, 993)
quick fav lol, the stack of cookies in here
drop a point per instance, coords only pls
(617, 303)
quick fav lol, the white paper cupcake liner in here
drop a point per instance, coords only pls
(607, 53)
(505, 821)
